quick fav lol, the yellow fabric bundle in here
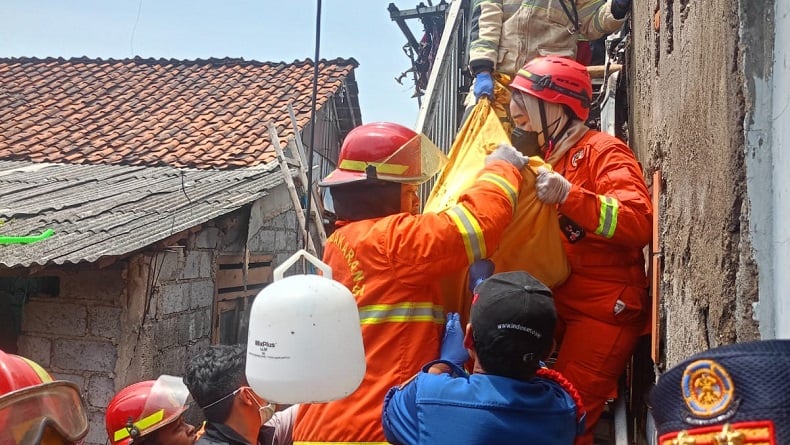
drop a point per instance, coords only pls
(532, 241)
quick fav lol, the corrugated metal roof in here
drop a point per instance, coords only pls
(104, 210)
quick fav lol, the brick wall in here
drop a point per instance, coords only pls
(74, 335)
(274, 227)
(145, 316)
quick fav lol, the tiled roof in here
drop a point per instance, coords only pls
(108, 210)
(197, 114)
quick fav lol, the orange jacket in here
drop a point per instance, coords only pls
(392, 266)
(609, 200)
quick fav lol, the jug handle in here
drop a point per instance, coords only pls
(280, 270)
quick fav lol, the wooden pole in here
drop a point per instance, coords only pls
(598, 71)
(289, 181)
(316, 207)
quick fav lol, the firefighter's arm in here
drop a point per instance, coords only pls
(619, 208)
(431, 244)
(485, 29)
(596, 17)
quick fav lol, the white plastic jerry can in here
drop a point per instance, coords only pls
(305, 342)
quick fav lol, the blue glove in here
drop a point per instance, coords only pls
(453, 349)
(484, 84)
(479, 271)
(620, 8)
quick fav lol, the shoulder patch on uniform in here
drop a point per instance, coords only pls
(578, 156)
(707, 388)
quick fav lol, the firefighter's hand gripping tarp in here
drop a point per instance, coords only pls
(532, 241)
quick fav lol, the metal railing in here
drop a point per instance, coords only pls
(442, 106)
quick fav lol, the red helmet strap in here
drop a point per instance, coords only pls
(134, 432)
(371, 172)
(550, 138)
(539, 83)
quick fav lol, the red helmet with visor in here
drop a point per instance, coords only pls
(144, 407)
(388, 152)
(33, 407)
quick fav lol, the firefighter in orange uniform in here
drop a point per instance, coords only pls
(37, 410)
(391, 259)
(605, 215)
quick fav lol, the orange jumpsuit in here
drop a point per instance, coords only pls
(603, 306)
(392, 265)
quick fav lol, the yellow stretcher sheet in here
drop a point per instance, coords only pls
(532, 242)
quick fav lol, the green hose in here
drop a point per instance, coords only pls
(26, 239)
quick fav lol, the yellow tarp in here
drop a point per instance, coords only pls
(532, 241)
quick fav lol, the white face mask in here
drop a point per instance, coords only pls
(266, 412)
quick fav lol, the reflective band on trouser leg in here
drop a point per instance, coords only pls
(401, 312)
(607, 220)
(470, 231)
(142, 425)
(502, 183)
(381, 167)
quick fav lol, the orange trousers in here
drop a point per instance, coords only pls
(595, 343)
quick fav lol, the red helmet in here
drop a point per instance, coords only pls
(385, 151)
(144, 407)
(18, 372)
(557, 80)
(33, 406)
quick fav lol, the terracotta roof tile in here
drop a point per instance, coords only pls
(200, 114)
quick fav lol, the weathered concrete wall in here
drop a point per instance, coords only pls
(145, 316)
(779, 308)
(687, 119)
(274, 227)
(168, 314)
(757, 39)
(74, 335)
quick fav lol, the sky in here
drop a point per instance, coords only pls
(262, 30)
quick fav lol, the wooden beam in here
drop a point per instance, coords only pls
(655, 271)
(300, 216)
(598, 71)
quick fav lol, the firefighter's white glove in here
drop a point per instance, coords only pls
(508, 153)
(551, 187)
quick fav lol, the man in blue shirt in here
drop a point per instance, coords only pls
(510, 398)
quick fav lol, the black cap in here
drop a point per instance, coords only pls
(730, 392)
(513, 319)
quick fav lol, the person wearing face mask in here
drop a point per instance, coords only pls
(505, 34)
(234, 412)
(391, 258)
(605, 213)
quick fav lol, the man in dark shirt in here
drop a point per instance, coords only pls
(234, 412)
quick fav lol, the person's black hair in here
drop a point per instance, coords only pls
(368, 199)
(213, 374)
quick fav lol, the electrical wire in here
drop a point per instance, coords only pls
(311, 148)
(134, 28)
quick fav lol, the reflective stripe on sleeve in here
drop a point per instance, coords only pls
(470, 231)
(607, 220)
(401, 312)
(503, 184)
